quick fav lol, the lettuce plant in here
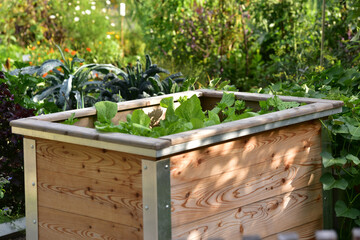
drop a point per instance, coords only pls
(189, 115)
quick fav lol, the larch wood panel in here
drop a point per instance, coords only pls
(305, 231)
(209, 181)
(90, 182)
(90, 197)
(212, 195)
(58, 225)
(246, 151)
(264, 218)
(105, 165)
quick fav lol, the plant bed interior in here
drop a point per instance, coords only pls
(257, 175)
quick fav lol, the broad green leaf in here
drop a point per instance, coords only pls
(228, 99)
(354, 131)
(168, 103)
(214, 117)
(197, 123)
(106, 111)
(353, 159)
(342, 210)
(140, 117)
(329, 161)
(329, 182)
(239, 105)
(357, 221)
(190, 109)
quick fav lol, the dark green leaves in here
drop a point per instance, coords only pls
(342, 210)
(329, 161)
(329, 182)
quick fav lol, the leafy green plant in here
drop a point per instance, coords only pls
(140, 83)
(72, 86)
(71, 120)
(189, 115)
(341, 161)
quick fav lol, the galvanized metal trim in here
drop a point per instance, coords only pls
(328, 198)
(31, 204)
(85, 142)
(242, 132)
(156, 199)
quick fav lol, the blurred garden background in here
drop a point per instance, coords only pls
(265, 46)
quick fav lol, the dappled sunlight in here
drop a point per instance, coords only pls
(251, 180)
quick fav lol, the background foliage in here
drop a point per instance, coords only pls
(262, 46)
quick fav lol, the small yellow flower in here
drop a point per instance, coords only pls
(38, 42)
(70, 59)
(117, 36)
(100, 42)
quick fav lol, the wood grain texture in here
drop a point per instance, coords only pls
(262, 97)
(58, 225)
(305, 231)
(90, 182)
(241, 172)
(261, 148)
(264, 218)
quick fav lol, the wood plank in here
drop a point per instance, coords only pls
(264, 218)
(245, 171)
(262, 97)
(294, 113)
(87, 134)
(58, 225)
(212, 195)
(119, 203)
(305, 231)
(282, 143)
(100, 164)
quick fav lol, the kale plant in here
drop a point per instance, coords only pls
(140, 83)
(68, 86)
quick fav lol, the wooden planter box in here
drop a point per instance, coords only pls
(253, 176)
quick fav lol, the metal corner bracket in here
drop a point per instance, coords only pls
(156, 199)
(31, 205)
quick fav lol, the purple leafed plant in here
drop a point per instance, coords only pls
(11, 151)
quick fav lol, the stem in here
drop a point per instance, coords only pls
(355, 198)
(322, 34)
(347, 172)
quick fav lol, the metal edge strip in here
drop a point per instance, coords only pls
(31, 204)
(242, 132)
(156, 199)
(86, 142)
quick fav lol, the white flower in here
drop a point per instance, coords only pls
(108, 2)
(107, 17)
(88, 12)
(76, 19)
(108, 36)
(83, 13)
(104, 10)
(93, 3)
(93, 21)
(69, 3)
(93, 7)
(52, 17)
(112, 24)
(77, 8)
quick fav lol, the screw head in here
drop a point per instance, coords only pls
(145, 167)
(33, 183)
(32, 146)
(146, 207)
(167, 205)
(166, 166)
(34, 221)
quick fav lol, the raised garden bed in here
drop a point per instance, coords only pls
(252, 176)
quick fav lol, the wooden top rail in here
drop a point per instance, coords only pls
(46, 126)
